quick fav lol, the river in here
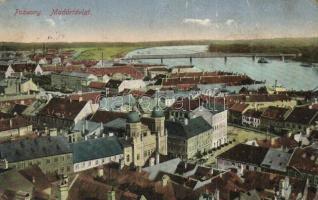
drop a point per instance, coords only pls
(289, 74)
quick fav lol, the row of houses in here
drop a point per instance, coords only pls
(300, 162)
(275, 119)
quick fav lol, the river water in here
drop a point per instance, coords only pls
(289, 74)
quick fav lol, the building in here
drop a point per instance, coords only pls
(13, 85)
(273, 118)
(276, 161)
(214, 114)
(52, 154)
(7, 71)
(72, 80)
(117, 86)
(251, 118)
(236, 112)
(190, 138)
(64, 113)
(96, 152)
(303, 164)
(14, 127)
(301, 118)
(145, 138)
(242, 157)
(84, 130)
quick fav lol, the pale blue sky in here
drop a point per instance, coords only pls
(151, 20)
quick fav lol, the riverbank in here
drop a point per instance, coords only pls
(306, 48)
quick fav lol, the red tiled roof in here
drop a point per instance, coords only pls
(280, 142)
(59, 69)
(305, 160)
(63, 108)
(88, 96)
(225, 79)
(186, 104)
(314, 106)
(274, 113)
(97, 85)
(302, 115)
(13, 123)
(24, 67)
(238, 107)
(244, 153)
(253, 113)
(129, 70)
(107, 116)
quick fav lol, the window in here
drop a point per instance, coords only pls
(55, 159)
(48, 161)
(127, 158)
(138, 156)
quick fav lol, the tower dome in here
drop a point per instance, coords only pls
(157, 112)
(133, 117)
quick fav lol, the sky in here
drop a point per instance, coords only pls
(156, 20)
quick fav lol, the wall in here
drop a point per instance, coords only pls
(96, 162)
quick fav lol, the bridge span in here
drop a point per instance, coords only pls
(211, 55)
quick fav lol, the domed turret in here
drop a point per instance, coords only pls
(157, 112)
(133, 117)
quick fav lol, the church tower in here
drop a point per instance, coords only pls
(159, 127)
(133, 130)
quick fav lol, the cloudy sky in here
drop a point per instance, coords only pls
(153, 20)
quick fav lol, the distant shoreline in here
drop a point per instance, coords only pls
(308, 47)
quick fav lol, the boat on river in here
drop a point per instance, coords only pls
(262, 60)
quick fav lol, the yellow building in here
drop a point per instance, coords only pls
(146, 138)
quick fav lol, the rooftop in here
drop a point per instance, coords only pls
(302, 115)
(194, 127)
(95, 149)
(63, 108)
(29, 149)
(274, 113)
(245, 154)
(276, 160)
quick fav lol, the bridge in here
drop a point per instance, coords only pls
(212, 55)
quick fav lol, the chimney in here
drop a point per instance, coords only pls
(217, 194)
(165, 180)
(22, 195)
(80, 99)
(273, 141)
(111, 195)
(4, 163)
(308, 131)
(62, 190)
(186, 121)
(11, 123)
(152, 161)
(100, 172)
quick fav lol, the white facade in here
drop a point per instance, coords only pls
(218, 121)
(219, 125)
(38, 70)
(226, 164)
(9, 71)
(89, 164)
(88, 109)
(132, 85)
(251, 121)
